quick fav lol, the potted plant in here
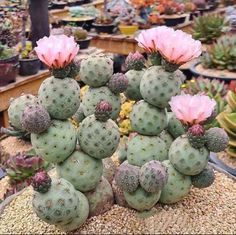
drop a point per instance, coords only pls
(207, 28)
(81, 17)
(172, 12)
(29, 62)
(219, 61)
(128, 21)
(58, 4)
(81, 37)
(104, 24)
(8, 65)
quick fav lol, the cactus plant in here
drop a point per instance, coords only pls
(222, 54)
(142, 200)
(209, 27)
(101, 198)
(127, 177)
(83, 171)
(17, 107)
(147, 119)
(96, 70)
(177, 187)
(35, 119)
(153, 176)
(57, 143)
(57, 202)
(204, 179)
(142, 149)
(186, 159)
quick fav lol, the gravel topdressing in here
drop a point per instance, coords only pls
(206, 211)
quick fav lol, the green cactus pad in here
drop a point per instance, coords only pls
(59, 205)
(134, 77)
(157, 86)
(94, 95)
(142, 149)
(167, 138)
(17, 107)
(177, 187)
(204, 179)
(95, 71)
(60, 97)
(83, 171)
(146, 119)
(98, 139)
(101, 198)
(141, 200)
(175, 127)
(185, 158)
(82, 214)
(56, 143)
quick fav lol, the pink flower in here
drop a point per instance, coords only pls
(56, 51)
(148, 39)
(192, 110)
(176, 47)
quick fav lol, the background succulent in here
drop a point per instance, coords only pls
(207, 28)
(222, 54)
(227, 120)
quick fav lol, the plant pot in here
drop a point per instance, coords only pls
(101, 28)
(128, 29)
(9, 70)
(29, 66)
(84, 22)
(58, 6)
(43, 66)
(173, 20)
(198, 70)
(193, 15)
(84, 43)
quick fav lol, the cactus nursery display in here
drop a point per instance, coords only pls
(166, 154)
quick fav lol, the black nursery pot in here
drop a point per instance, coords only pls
(104, 28)
(173, 22)
(29, 66)
(84, 44)
(87, 1)
(55, 6)
(85, 24)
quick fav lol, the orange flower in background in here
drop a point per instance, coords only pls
(142, 3)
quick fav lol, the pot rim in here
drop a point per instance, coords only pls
(26, 60)
(103, 25)
(86, 39)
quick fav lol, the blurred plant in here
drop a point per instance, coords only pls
(215, 89)
(80, 11)
(228, 2)
(104, 19)
(169, 7)
(129, 17)
(222, 54)
(24, 165)
(227, 120)
(80, 34)
(6, 52)
(231, 16)
(209, 27)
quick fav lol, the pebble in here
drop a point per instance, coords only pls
(211, 210)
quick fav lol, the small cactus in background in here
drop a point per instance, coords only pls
(80, 34)
(207, 28)
(103, 111)
(221, 55)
